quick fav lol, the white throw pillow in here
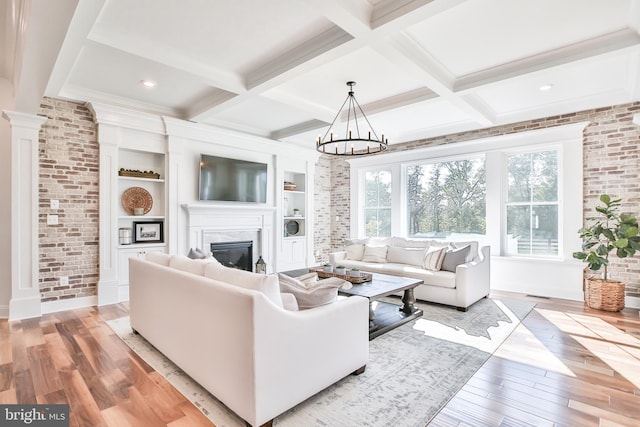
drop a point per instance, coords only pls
(312, 294)
(409, 256)
(158, 257)
(375, 254)
(355, 251)
(433, 258)
(265, 283)
(289, 301)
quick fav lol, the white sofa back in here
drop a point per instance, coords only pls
(254, 356)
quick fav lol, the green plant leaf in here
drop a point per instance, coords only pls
(631, 231)
(621, 243)
(602, 250)
(608, 234)
(604, 198)
(580, 255)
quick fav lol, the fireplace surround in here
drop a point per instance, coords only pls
(213, 223)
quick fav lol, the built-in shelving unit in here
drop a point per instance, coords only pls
(296, 218)
(144, 161)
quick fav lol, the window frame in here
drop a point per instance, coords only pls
(530, 150)
(568, 139)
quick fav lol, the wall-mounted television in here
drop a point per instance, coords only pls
(232, 180)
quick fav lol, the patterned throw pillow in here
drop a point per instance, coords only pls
(433, 258)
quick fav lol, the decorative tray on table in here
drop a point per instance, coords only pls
(364, 277)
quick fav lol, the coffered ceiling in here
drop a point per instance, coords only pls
(278, 68)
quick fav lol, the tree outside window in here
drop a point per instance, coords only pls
(532, 203)
(377, 206)
(445, 198)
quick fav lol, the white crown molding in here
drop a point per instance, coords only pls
(126, 118)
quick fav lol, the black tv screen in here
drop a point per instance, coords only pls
(232, 180)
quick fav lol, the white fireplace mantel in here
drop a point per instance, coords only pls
(207, 220)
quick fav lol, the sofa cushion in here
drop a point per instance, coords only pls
(354, 251)
(265, 283)
(375, 254)
(183, 263)
(433, 258)
(411, 243)
(312, 294)
(454, 257)
(402, 255)
(158, 257)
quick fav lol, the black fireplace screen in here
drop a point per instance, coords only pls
(234, 254)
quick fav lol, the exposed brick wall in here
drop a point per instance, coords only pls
(69, 162)
(611, 164)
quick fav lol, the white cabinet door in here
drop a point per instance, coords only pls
(294, 254)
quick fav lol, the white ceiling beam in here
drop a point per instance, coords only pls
(403, 50)
(45, 25)
(397, 15)
(353, 16)
(301, 54)
(83, 19)
(298, 129)
(592, 48)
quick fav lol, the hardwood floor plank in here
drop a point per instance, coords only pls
(192, 418)
(43, 373)
(81, 400)
(135, 412)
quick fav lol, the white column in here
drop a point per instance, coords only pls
(108, 281)
(25, 290)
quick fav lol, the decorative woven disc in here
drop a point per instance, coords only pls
(136, 197)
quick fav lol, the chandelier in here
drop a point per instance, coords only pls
(353, 143)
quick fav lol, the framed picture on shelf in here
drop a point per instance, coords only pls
(148, 232)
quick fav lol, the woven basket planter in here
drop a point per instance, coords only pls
(607, 296)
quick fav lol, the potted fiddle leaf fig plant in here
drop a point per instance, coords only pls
(605, 233)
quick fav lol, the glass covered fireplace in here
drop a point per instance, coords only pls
(234, 254)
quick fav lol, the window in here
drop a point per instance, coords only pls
(445, 198)
(532, 203)
(377, 204)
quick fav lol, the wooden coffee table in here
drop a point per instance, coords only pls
(385, 316)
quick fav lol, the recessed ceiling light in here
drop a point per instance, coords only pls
(546, 87)
(148, 83)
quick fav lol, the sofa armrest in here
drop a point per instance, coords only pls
(336, 257)
(473, 279)
(301, 353)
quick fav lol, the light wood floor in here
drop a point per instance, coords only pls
(565, 365)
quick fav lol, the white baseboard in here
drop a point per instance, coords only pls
(4, 311)
(632, 302)
(68, 304)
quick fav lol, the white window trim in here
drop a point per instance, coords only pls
(567, 138)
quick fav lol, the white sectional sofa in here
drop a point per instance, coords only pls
(454, 272)
(229, 331)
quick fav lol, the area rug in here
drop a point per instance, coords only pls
(413, 371)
